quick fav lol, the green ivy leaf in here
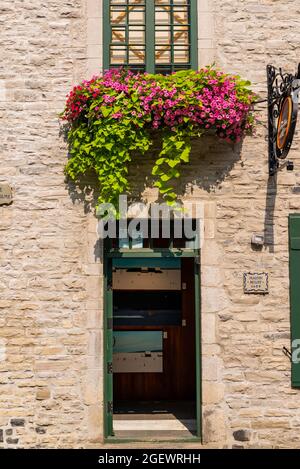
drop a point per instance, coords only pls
(156, 171)
(185, 155)
(106, 111)
(166, 177)
(173, 163)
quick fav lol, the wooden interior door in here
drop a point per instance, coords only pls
(178, 380)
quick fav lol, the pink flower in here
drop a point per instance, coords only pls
(117, 115)
(213, 101)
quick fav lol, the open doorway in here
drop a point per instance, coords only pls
(152, 384)
(154, 347)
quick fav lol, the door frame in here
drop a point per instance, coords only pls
(108, 326)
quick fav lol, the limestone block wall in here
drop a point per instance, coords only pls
(49, 288)
(51, 299)
(251, 331)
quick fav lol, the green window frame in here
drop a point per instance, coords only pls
(154, 36)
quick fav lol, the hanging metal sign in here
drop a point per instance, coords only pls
(283, 102)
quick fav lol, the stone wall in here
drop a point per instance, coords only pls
(254, 391)
(51, 362)
(47, 280)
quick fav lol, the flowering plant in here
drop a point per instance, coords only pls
(111, 116)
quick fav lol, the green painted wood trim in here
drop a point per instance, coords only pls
(295, 243)
(165, 263)
(198, 350)
(106, 34)
(294, 250)
(136, 253)
(108, 346)
(116, 440)
(194, 35)
(150, 36)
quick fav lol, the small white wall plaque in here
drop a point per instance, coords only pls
(256, 282)
(6, 197)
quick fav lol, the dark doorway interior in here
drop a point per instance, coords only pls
(169, 394)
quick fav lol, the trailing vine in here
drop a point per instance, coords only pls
(111, 117)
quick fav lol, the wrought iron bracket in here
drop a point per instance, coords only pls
(287, 353)
(281, 86)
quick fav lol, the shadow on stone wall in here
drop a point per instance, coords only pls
(269, 213)
(84, 192)
(211, 161)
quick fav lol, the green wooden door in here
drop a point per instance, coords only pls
(132, 259)
(108, 349)
(198, 345)
(294, 234)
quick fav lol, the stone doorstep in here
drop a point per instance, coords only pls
(155, 425)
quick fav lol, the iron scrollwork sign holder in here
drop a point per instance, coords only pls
(283, 101)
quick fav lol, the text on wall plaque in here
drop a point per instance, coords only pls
(256, 282)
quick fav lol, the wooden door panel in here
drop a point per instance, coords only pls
(177, 382)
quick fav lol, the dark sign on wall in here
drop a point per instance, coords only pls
(6, 197)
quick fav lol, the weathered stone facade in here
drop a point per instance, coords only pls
(51, 298)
